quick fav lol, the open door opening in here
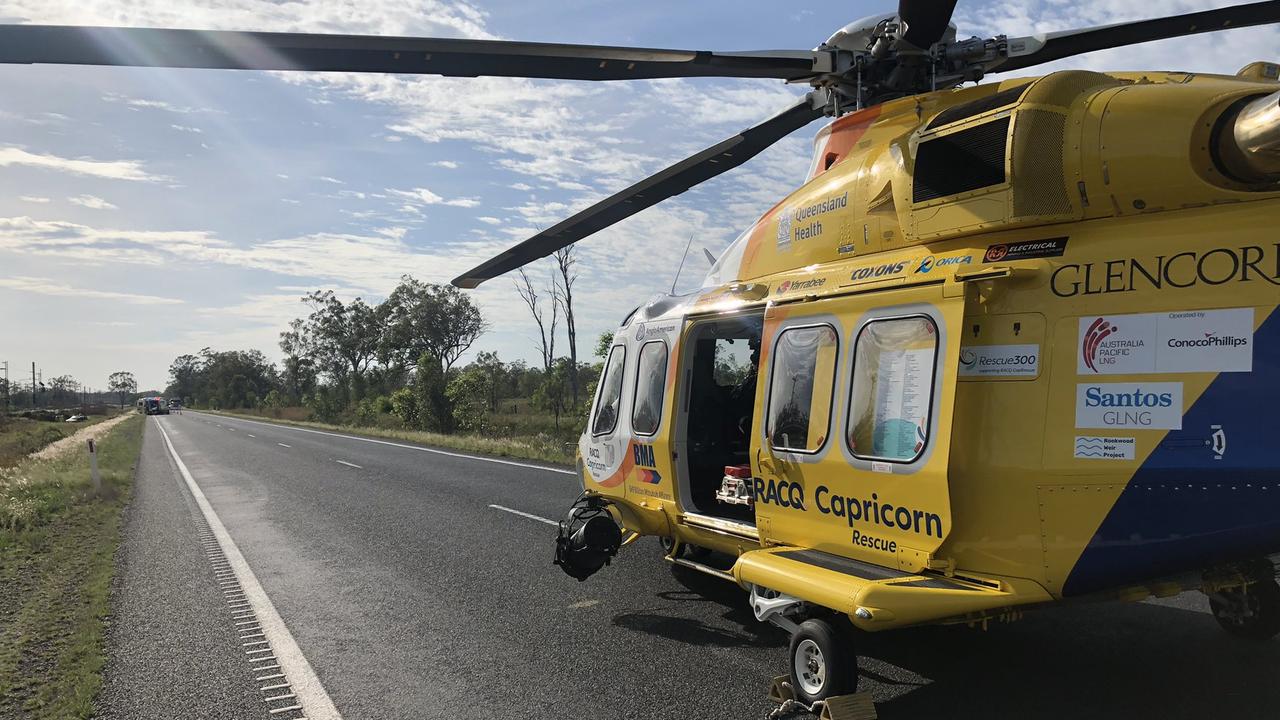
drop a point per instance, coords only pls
(720, 371)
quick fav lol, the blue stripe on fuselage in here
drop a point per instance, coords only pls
(1189, 508)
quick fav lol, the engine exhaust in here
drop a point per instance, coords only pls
(1248, 140)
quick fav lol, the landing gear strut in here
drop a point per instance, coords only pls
(1251, 612)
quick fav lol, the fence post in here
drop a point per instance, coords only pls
(93, 469)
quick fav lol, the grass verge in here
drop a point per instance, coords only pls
(57, 557)
(541, 448)
(20, 437)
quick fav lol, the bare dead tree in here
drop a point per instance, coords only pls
(546, 331)
(565, 262)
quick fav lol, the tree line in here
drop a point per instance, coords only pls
(357, 362)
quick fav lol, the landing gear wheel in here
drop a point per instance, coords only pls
(692, 552)
(1252, 612)
(823, 663)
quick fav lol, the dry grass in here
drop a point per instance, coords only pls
(543, 447)
(57, 549)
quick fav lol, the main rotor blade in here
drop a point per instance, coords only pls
(148, 47)
(926, 20)
(717, 159)
(1037, 49)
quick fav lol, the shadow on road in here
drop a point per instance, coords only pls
(1110, 661)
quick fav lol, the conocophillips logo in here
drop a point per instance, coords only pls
(1210, 339)
(1093, 337)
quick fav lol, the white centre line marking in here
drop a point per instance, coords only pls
(251, 435)
(464, 456)
(344, 462)
(283, 445)
(531, 516)
(312, 697)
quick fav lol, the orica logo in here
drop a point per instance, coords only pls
(926, 264)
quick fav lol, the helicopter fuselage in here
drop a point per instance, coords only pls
(1007, 345)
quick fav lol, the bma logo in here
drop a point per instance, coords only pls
(1092, 340)
(643, 455)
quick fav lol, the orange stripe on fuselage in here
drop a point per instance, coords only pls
(845, 132)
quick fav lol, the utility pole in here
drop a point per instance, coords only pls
(6, 387)
(33, 385)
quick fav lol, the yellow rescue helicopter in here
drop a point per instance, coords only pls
(1009, 344)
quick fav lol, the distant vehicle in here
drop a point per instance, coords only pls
(175, 404)
(76, 418)
(152, 406)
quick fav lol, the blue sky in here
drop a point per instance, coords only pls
(149, 213)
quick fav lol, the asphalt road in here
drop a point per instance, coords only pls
(411, 597)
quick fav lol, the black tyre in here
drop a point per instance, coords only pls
(1252, 613)
(692, 552)
(823, 662)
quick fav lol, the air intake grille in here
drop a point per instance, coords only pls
(1040, 188)
(967, 160)
(977, 107)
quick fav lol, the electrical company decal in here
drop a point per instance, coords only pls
(1090, 447)
(1137, 406)
(1026, 250)
(1000, 361)
(1192, 341)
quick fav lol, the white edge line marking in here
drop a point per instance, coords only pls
(531, 516)
(344, 462)
(283, 445)
(412, 447)
(311, 694)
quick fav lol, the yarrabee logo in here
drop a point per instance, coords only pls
(1137, 406)
(928, 263)
(788, 285)
(1190, 341)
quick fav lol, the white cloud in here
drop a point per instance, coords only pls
(47, 286)
(334, 180)
(33, 199)
(92, 202)
(489, 220)
(450, 164)
(112, 170)
(186, 128)
(423, 196)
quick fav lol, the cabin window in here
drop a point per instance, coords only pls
(651, 380)
(891, 399)
(606, 416)
(804, 364)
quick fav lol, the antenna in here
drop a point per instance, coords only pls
(682, 259)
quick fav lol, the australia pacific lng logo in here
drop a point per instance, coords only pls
(1093, 337)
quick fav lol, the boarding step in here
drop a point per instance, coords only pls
(874, 596)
